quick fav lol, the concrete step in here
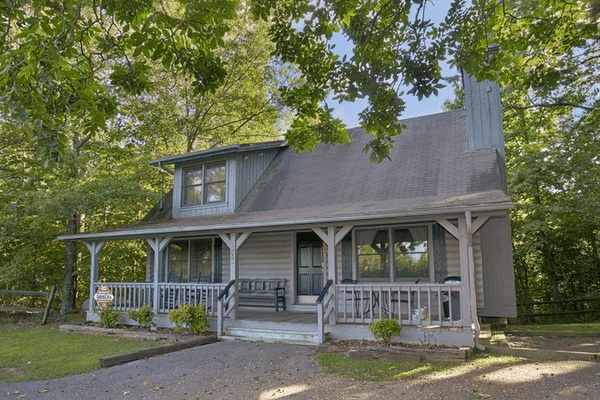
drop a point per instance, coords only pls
(271, 335)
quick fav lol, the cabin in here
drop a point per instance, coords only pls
(298, 247)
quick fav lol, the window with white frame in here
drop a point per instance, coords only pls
(393, 253)
(203, 184)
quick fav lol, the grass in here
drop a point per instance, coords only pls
(376, 370)
(43, 352)
(581, 328)
(380, 371)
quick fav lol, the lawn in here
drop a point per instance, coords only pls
(591, 328)
(43, 352)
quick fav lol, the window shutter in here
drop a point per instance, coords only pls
(218, 256)
(347, 257)
(439, 253)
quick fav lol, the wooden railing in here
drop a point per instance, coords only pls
(128, 295)
(413, 304)
(324, 309)
(225, 305)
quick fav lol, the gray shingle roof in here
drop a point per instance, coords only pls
(430, 172)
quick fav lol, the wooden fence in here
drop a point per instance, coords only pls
(30, 293)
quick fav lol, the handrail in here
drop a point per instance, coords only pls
(324, 291)
(225, 290)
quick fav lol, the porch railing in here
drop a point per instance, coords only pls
(415, 304)
(129, 295)
(324, 309)
(225, 305)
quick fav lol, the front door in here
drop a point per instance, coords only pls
(309, 275)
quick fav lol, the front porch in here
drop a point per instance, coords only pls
(427, 313)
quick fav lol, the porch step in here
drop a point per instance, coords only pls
(271, 335)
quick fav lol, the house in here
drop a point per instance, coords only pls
(423, 237)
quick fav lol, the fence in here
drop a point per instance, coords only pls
(30, 293)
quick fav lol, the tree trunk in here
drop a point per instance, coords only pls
(70, 273)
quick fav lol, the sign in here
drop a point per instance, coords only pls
(103, 296)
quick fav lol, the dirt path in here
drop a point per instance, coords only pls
(237, 370)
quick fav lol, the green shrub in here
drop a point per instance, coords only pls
(384, 329)
(193, 317)
(144, 316)
(109, 318)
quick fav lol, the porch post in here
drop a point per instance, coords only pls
(94, 248)
(234, 241)
(157, 244)
(332, 239)
(468, 303)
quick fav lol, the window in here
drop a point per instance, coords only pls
(373, 257)
(190, 260)
(406, 259)
(411, 255)
(204, 184)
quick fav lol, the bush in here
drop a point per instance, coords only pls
(144, 316)
(193, 317)
(109, 318)
(384, 329)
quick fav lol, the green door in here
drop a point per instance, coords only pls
(310, 267)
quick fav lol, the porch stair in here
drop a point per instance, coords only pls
(260, 331)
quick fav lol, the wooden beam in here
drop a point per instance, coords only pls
(342, 233)
(478, 223)
(322, 234)
(449, 227)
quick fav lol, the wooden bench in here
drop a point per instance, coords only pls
(262, 292)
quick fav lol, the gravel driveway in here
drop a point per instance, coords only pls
(240, 370)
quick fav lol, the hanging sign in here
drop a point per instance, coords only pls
(103, 296)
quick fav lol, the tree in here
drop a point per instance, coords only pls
(101, 178)
(546, 56)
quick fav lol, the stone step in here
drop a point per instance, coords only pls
(271, 336)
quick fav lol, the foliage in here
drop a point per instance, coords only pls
(109, 318)
(384, 329)
(41, 353)
(193, 317)
(546, 57)
(144, 316)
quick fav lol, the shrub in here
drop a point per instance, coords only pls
(144, 316)
(109, 318)
(193, 317)
(384, 329)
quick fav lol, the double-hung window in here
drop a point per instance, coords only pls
(393, 253)
(204, 184)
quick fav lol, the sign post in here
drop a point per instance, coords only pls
(103, 296)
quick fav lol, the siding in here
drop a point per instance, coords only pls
(251, 167)
(265, 255)
(453, 262)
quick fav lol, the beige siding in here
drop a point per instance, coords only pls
(452, 259)
(265, 255)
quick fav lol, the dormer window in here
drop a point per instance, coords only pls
(203, 184)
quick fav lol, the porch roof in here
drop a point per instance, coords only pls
(430, 173)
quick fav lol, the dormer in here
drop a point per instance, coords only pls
(215, 181)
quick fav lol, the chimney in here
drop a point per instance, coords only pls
(484, 118)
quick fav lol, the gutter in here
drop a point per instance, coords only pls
(172, 230)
